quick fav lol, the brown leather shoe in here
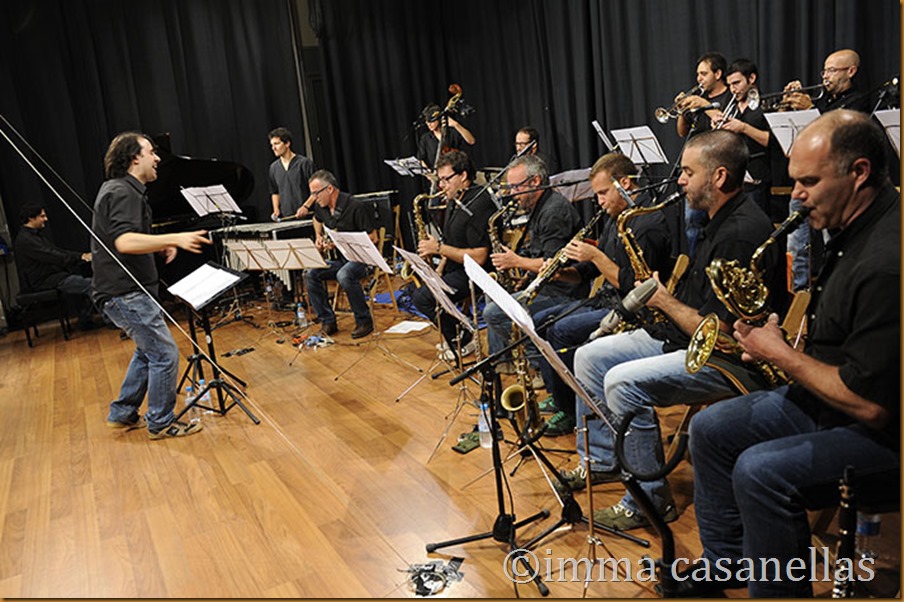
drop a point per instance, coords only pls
(362, 330)
(329, 329)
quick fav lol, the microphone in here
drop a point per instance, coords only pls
(624, 193)
(632, 302)
(712, 105)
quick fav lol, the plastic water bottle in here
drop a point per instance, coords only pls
(205, 398)
(192, 415)
(483, 427)
(301, 320)
(867, 531)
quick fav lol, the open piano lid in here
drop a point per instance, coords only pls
(174, 172)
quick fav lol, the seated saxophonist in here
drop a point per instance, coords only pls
(636, 370)
(608, 258)
(552, 223)
(762, 460)
(468, 208)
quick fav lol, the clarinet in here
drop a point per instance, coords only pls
(843, 587)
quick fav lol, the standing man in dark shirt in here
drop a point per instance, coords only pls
(125, 285)
(742, 77)
(289, 175)
(637, 370)
(43, 265)
(453, 137)
(841, 90)
(692, 118)
(762, 460)
(468, 209)
(341, 212)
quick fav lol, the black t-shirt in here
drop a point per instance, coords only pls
(120, 207)
(849, 99)
(351, 215)
(41, 263)
(468, 231)
(733, 233)
(553, 222)
(854, 314)
(760, 164)
(427, 143)
(700, 121)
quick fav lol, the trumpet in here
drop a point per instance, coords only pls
(673, 112)
(778, 101)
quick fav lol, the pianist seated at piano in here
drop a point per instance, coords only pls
(341, 212)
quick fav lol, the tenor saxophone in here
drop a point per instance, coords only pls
(745, 294)
(558, 260)
(406, 272)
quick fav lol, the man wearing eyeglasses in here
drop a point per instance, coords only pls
(841, 91)
(529, 137)
(553, 222)
(468, 209)
(341, 212)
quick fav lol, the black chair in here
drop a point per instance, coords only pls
(35, 305)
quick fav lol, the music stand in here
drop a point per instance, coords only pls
(409, 166)
(786, 126)
(574, 184)
(357, 246)
(197, 291)
(640, 145)
(891, 123)
(271, 255)
(439, 288)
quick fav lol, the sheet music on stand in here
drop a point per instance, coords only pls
(599, 130)
(516, 312)
(205, 284)
(409, 166)
(577, 191)
(640, 145)
(787, 125)
(891, 123)
(357, 246)
(436, 285)
(286, 254)
(210, 199)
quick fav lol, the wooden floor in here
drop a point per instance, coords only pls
(331, 495)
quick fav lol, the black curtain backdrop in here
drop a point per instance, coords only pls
(558, 64)
(217, 75)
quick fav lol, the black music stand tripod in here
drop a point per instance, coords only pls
(197, 291)
(505, 527)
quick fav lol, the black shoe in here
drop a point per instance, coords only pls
(362, 330)
(88, 325)
(329, 329)
(687, 587)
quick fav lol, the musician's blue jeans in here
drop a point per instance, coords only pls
(499, 326)
(155, 364)
(760, 462)
(799, 248)
(349, 275)
(566, 335)
(628, 372)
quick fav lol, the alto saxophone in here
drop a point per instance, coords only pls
(406, 272)
(505, 279)
(558, 260)
(744, 293)
(520, 399)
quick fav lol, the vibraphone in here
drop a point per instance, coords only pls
(303, 228)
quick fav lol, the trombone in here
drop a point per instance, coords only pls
(778, 101)
(733, 108)
(673, 112)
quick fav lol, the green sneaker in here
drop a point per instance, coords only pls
(559, 424)
(576, 478)
(548, 405)
(620, 518)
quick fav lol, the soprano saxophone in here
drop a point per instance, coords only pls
(549, 270)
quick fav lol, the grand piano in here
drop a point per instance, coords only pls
(172, 213)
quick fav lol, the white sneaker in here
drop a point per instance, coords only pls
(449, 354)
(444, 346)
